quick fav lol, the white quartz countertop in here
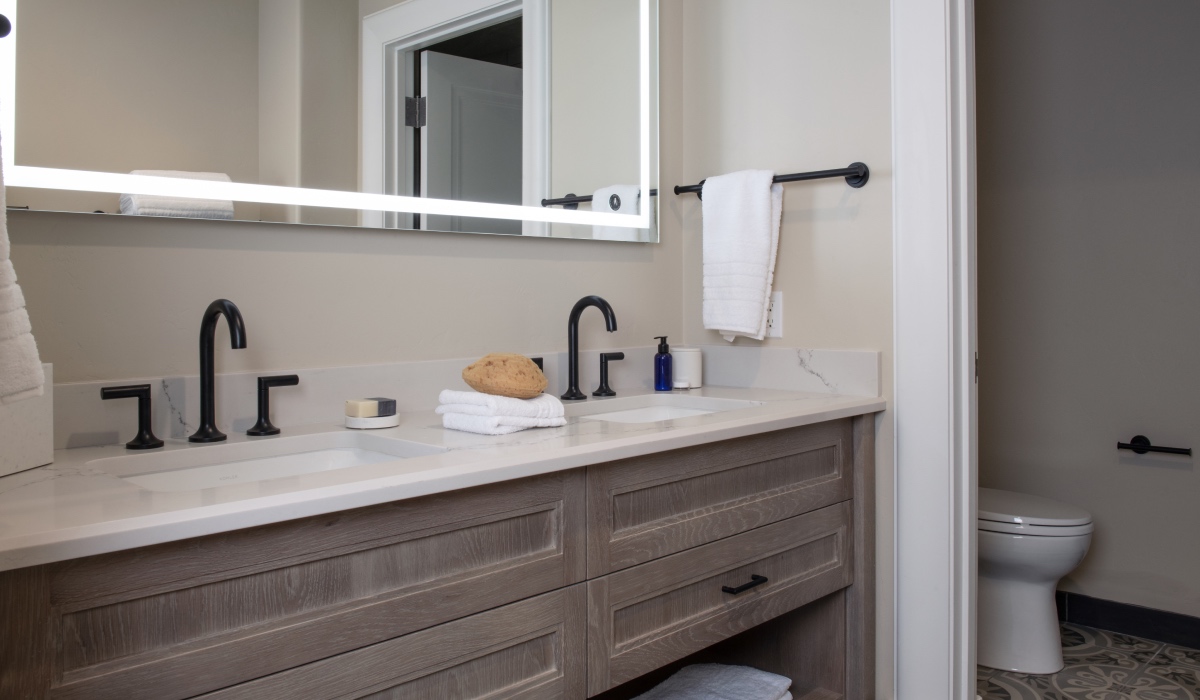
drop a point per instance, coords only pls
(73, 509)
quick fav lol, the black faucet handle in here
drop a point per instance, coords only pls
(541, 364)
(265, 384)
(605, 358)
(145, 440)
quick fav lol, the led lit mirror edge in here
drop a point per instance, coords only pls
(123, 183)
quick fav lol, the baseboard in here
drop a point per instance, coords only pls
(1135, 620)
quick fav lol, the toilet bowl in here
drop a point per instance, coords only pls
(1026, 544)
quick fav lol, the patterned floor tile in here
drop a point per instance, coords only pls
(1186, 678)
(1159, 684)
(1182, 656)
(1103, 665)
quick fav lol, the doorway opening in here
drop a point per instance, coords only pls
(465, 115)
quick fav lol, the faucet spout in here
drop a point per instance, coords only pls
(207, 432)
(610, 323)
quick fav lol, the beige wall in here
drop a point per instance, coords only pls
(1089, 169)
(770, 84)
(594, 89)
(329, 105)
(121, 85)
(113, 297)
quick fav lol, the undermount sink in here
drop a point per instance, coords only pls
(653, 408)
(227, 464)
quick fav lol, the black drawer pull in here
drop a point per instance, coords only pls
(755, 580)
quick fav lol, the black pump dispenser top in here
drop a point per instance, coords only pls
(663, 348)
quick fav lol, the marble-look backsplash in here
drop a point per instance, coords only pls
(81, 419)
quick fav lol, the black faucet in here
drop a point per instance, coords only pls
(610, 321)
(207, 432)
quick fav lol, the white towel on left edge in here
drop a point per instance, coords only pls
(602, 201)
(185, 207)
(741, 239)
(21, 375)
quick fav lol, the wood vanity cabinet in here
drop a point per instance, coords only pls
(564, 585)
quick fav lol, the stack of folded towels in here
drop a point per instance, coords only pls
(721, 682)
(507, 398)
(498, 415)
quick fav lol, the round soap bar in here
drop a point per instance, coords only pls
(504, 374)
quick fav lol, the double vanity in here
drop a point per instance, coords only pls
(585, 561)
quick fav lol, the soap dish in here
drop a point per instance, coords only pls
(372, 423)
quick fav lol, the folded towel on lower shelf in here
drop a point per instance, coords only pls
(486, 414)
(720, 682)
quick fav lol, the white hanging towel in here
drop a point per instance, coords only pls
(720, 682)
(21, 375)
(186, 207)
(741, 238)
(625, 197)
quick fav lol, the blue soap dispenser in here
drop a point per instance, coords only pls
(663, 379)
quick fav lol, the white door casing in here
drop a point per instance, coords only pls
(934, 306)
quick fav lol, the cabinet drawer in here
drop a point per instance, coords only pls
(650, 615)
(529, 650)
(176, 620)
(647, 507)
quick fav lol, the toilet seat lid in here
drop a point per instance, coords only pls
(1023, 508)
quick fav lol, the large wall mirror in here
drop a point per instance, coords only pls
(516, 117)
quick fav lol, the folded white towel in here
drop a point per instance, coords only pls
(497, 425)
(486, 414)
(627, 203)
(21, 375)
(741, 239)
(720, 682)
(158, 205)
(479, 404)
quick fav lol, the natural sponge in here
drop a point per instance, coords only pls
(504, 374)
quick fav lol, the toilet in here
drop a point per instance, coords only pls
(1026, 544)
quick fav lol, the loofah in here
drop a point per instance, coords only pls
(505, 374)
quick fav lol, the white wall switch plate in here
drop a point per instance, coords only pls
(775, 316)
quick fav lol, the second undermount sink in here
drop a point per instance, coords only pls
(653, 408)
(211, 466)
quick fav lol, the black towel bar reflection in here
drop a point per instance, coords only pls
(856, 175)
(1141, 445)
(572, 201)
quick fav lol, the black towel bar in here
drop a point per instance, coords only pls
(572, 201)
(856, 176)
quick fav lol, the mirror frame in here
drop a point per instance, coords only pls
(123, 183)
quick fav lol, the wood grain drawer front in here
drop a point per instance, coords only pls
(647, 507)
(309, 589)
(650, 615)
(534, 649)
